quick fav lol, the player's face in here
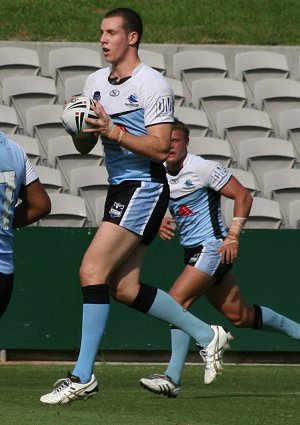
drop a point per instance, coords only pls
(114, 40)
(178, 150)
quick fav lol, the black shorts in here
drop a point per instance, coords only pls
(137, 206)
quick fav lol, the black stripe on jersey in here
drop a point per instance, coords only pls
(213, 204)
(158, 172)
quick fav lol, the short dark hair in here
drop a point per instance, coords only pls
(179, 125)
(132, 21)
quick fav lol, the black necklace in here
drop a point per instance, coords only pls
(116, 80)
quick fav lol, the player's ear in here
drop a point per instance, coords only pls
(133, 38)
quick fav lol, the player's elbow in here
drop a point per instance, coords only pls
(161, 156)
(43, 208)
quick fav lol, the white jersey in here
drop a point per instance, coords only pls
(144, 99)
(15, 172)
(195, 201)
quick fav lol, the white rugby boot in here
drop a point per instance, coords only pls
(212, 355)
(161, 384)
(70, 389)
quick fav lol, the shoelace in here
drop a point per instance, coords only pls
(65, 383)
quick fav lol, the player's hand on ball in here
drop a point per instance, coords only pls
(103, 125)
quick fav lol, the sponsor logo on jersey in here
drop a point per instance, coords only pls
(116, 210)
(133, 101)
(184, 211)
(173, 181)
(219, 172)
(114, 93)
(97, 95)
(164, 105)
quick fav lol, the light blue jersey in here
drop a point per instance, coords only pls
(195, 201)
(15, 172)
(132, 105)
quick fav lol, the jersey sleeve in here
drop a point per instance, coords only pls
(219, 177)
(213, 174)
(158, 103)
(30, 174)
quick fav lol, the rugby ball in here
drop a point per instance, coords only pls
(75, 113)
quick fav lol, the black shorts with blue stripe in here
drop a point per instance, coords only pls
(138, 206)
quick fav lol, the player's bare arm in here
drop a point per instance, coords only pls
(35, 205)
(155, 145)
(242, 206)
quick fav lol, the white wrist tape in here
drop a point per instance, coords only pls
(236, 227)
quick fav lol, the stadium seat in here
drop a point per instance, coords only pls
(9, 122)
(246, 178)
(18, 61)
(191, 65)
(177, 88)
(30, 145)
(154, 59)
(44, 122)
(294, 214)
(63, 155)
(66, 211)
(195, 119)
(211, 148)
(216, 94)
(289, 127)
(275, 96)
(282, 185)
(70, 61)
(264, 214)
(99, 208)
(22, 92)
(257, 65)
(50, 179)
(89, 182)
(263, 154)
(238, 124)
(74, 86)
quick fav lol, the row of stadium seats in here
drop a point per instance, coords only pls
(187, 66)
(86, 209)
(250, 123)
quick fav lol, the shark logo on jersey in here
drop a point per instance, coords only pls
(116, 210)
(188, 184)
(133, 101)
(185, 211)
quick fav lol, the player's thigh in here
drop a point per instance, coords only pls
(190, 285)
(125, 281)
(110, 247)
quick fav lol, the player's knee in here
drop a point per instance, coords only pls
(90, 274)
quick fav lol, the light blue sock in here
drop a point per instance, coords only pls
(94, 319)
(164, 307)
(180, 342)
(272, 321)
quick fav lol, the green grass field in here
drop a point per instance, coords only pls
(242, 395)
(256, 22)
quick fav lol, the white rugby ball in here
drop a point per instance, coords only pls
(74, 114)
